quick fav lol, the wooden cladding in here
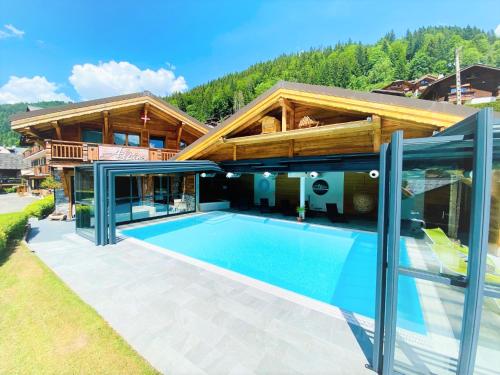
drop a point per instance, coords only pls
(87, 152)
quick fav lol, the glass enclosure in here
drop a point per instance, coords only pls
(84, 202)
(148, 196)
(488, 351)
(435, 226)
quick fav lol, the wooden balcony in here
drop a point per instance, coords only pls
(88, 152)
(33, 150)
(41, 170)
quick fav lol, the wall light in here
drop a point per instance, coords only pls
(313, 174)
(374, 173)
(269, 174)
(205, 174)
(233, 175)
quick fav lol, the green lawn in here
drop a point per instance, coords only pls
(47, 329)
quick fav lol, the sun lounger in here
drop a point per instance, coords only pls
(453, 256)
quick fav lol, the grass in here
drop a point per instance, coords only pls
(47, 329)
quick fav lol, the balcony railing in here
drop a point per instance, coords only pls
(33, 150)
(41, 170)
(88, 152)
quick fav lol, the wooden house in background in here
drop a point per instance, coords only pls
(479, 84)
(403, 87)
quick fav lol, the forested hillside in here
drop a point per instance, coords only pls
(352, 65)
(7, 136)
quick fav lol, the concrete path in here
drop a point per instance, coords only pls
(186, 320)
(13, 202)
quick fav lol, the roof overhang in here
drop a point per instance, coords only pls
(28, 119)
(401, 108)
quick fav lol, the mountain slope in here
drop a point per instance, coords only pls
(352, 65)
(7, 136)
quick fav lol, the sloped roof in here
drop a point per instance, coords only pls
(12, 161)
(373, 99)
(18, 119)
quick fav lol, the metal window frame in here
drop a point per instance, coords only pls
(480, 127)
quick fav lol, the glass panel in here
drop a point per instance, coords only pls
(436, 196)
(157, 142)
(91, 136)
(134, 140)
(428, 327)
(119, 138)
(435, 208)
(488, 351)
(123, 209)
(84, 202)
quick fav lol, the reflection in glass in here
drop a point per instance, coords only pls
(84, 202)
(148, 196)
(133, 140)
(119, 138)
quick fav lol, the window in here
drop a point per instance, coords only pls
(126, 139)
(133, 140)
(157, 142)
(91, 136)
(182, 145)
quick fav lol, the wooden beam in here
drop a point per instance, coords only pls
(179, 134)
(377, 136)
(284, 109)
(106, 131)
(57, 128)
(349, 128)
(145, 119)
(234, 152)
(291, 146)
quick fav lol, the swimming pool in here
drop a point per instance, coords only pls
(336, 266)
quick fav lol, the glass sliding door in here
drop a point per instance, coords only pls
(433, 256)
(84, 202)
(142, 197)
(488, 350)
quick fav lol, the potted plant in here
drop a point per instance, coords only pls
(301, 211)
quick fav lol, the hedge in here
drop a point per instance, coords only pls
(12, 228)
(41, 208)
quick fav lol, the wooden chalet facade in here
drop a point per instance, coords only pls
(403, 87)
(479, 84)
(341, 122)
(137, 127)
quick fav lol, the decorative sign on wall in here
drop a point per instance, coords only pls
(122, 153)
(320, 187)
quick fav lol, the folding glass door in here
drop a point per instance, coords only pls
(433, 253)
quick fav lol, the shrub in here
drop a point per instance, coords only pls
(40, 208)
(12, 228)
(10, 189)
(50, 183)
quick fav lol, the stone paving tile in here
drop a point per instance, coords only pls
(187, 320)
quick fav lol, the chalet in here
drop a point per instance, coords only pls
(402, 87)
(479, 84)
(128, 127)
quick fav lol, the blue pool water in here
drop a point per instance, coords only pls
(336, 266)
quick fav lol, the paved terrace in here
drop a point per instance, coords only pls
(186, 320)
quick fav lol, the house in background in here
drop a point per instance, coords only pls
(11, 164)
(479, 84)
(134, 127)
(403, 87)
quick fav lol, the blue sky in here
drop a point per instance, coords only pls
(85, 49)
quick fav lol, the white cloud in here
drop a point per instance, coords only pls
(115, 78)
(10, 31)
(29, 90)
(497, 31)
